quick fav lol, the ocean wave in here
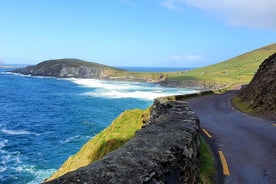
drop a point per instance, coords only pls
(111, 85)
(144, 95)
(12, 162)
(18, 74)
(18, 132)
(119, 89)
(74, 138)
(3, 168)
(39, 174)
(70, 139)
(3, 143)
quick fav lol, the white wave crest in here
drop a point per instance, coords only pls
(145, 95)
(118, 89)
(39, 174)
(70, 139)
(3, 168)
(17, 132)
(3, 143)
(112, 85)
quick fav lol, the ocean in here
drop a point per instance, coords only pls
(44, 120)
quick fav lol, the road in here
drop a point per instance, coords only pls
(248, 143)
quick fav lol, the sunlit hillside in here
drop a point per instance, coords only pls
(239, 69)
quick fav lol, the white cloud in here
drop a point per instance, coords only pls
(172, 4)
(257, 13)
(176, 57)
(186, 58)
(193, 57)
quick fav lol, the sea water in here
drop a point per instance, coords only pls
(45, 120)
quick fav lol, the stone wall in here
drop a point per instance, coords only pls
(165, 150)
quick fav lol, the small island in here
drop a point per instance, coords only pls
(75, 68)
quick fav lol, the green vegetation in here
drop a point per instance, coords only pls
(242, 106)
(239, 69)
(119, 132)
(207, 164)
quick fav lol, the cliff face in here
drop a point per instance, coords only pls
(260, 94)
(166, 150)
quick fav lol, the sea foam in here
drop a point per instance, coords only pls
(17, 132)
(119, 89)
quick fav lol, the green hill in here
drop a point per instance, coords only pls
(239, 69)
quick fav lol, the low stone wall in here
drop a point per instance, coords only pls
(165, 150)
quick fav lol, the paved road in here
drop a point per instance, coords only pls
(248, 143)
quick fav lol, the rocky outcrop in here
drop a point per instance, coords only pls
(260, 94)
(165, 150)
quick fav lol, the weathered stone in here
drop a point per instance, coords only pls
(260, 93)
(166, 150)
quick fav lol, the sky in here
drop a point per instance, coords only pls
(149, 33)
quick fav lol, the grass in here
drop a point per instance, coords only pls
(238, 70)
(242, 106)
(207, 164)
(119, 132)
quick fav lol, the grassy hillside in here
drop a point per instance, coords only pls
(239, 69)
(120, 131)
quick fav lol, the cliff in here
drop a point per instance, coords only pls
(260, 94)
(165, 150)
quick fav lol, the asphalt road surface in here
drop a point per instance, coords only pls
(248, 143)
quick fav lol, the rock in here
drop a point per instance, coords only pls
(166, 150)
(260, 94)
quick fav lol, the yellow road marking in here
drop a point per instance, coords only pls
(224, 164)
(206, 132)
(274, 124)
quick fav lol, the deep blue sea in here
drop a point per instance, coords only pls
(45, 120)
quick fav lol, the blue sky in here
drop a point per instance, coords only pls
(174, 33)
